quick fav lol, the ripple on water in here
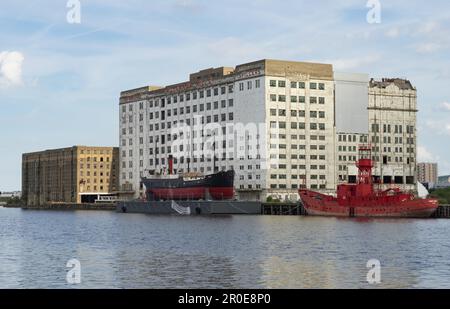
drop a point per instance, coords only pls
(141, 251)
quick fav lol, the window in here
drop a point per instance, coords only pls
(293, 99)
(281, 84)
(301, 85)
(313, 100)
(293, 84)
(257, 83)
(281, 98)
(321, 86)
(302, 99)
(273, 83)
(273, 98)
(313, 86)
(321, 100)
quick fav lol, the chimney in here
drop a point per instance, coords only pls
(170, 165)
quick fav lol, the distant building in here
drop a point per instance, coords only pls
(77, 174)
(427, 173)
(11, 194)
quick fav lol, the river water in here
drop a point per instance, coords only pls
(143, 251)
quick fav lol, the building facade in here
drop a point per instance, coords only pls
(70, 175)
(427, 173)
(392, 132)
(351, 102)
(271, 121)
(347, 154)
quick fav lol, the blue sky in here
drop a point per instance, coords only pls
(60, 82)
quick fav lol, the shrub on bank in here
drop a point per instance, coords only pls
(443, 195)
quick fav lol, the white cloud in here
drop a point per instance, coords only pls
(440, 127)
(428, 27)
(393, 33)
(426, 48)
(424, 155)
(352, 63)
(445, 106)
(11, 68)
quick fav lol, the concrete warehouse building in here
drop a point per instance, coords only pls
(78, 174)
(291, 103)
(297, 108)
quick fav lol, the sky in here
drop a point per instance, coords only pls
(60, 81)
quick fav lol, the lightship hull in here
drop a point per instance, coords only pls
(317, 204)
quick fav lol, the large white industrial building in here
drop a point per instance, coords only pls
(273, 122)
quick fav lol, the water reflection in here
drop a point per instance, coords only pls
(139, 251)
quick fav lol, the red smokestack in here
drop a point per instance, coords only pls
(170, 165)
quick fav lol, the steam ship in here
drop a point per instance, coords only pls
(218, 186)
(364, 200)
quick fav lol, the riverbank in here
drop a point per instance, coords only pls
(71, 206)
(277, 209)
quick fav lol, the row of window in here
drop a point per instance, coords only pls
(184, 97)
(297, 99)
(94, 159)
(297, 85)
(250, 85)
(352, 138)
(88, 188)
(397, 140)
(296, 113)
(101, 166)
(299, 125)
(296, 186)
(95, 180)
(302, 157)
(345, 148)
(398, 129)
(88, 173)
(300, 147)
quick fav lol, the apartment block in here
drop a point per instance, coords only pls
(427, 173)
(78, 174)
(271, 121)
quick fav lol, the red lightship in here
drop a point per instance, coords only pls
(364, 200)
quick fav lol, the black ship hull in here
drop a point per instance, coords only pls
(219, 186)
